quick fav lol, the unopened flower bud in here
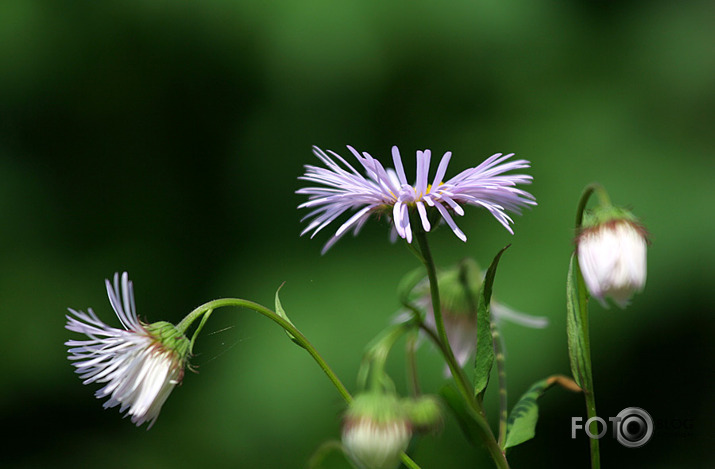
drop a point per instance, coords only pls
(376, 431)
(612, 254)
(425, 413)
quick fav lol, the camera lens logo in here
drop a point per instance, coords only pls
(634, 427)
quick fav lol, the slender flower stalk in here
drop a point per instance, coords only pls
(141, 363)
(610, 262)
(386, 191)
(298, 337)
(465, 389)
(585, 378)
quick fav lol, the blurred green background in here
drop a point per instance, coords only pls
(165, 139)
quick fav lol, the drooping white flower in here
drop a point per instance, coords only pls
(141, 363)
(612, 256)
(343, 189)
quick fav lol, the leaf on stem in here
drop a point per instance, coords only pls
(281, 312)
(485, 346)
(521, 425)
(577, 326)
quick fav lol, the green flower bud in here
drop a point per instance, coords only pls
(424, 412)
(376, 431)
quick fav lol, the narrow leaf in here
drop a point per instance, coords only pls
(521, 425)
(485, 346)
(281, 312)
(577, 326)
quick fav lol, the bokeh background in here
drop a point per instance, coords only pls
(166, 138)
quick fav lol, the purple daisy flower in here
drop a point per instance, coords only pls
(344, 189)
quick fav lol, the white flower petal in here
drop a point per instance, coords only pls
(139, 369)
(612, 258)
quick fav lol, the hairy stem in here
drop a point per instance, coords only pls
(501, 375)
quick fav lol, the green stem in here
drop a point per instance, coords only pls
(498, 355)
(286, 325)
(461, 380)
(412, 376)
(603, 198)
(588, 378)
(593, 428)
(377, 356)
(428, 261)
(408, 462)
(501, 375)
(588, 375)
(207, 308)
(583, 311)
(198, 329)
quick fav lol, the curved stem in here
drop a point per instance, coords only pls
(286, 325)
(377, 355)
(207, 308)
(602, 195)
(588, 392)
(198, 329)
(441, 339)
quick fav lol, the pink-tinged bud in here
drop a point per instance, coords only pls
(376, 431)
(612, 255)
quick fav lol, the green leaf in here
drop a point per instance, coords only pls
(463, 414)
(281, 312)
(485, 345)
(577, 326)
(521, 425)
